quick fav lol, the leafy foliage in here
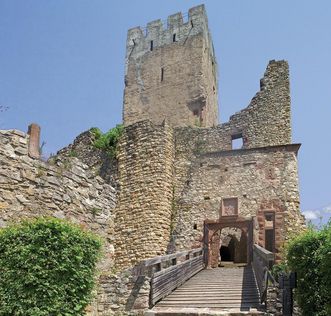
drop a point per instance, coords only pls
(309, 255)
(279, 268)
(109, 140)
(47, 267)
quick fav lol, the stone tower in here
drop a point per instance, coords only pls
(171, 72)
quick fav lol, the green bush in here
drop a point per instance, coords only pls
(47, 267)
(279, 268)
(309, 255)
(109, 140)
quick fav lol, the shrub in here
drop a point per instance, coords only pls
(47, 267)
(309, 255)
(325, 254)
(109, 140)
(279, 268)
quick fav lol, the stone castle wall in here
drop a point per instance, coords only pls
(174, 166)
(65, 188)
(266, 121)
(262, 179)
(143, 212)
(99, 161)
(262, 175)
(176, 77)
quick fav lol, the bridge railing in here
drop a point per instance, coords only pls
(263, 261)
(170, 271)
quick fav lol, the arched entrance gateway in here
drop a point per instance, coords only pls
(233, 245)
(228, 239)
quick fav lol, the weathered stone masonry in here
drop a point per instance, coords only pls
(171, 73)
(175, 166)
(143, 212)
(63, 188)
(262, 179)
(261, 176)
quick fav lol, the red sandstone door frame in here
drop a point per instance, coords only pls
(211, 227)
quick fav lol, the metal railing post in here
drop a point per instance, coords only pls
(287, 282)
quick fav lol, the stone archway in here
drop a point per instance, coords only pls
(235, 247)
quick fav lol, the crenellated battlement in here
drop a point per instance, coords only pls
(171, 72)
(141, 40)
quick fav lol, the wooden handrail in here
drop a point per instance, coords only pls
(263, 261)
(165, 258)
(168, 272)
(265, 255)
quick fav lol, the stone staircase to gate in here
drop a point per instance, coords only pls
(220, 291)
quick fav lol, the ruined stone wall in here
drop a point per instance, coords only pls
(267, 119)
(263, 179)
(171, 73)
(100, 163)
(143, 213)
(265, 122)
(62, 188)
(121, 294)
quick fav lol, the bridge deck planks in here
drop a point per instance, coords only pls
(220, 288)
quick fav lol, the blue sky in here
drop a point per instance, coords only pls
(62, 66)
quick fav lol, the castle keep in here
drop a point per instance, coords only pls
(171, 73)
(178, 169)
(180, 180)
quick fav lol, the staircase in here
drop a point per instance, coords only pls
(229, 290)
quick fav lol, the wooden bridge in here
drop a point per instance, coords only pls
(181, 285)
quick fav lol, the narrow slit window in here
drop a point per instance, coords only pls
(192, 23)
(152, 45)
(174, 37)
(237, 141)
(162, 74)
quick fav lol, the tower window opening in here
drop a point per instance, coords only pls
(174, 37)
(195, 226)
(162, 74)
(192, 23)
(152, 45)
(237, 141)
